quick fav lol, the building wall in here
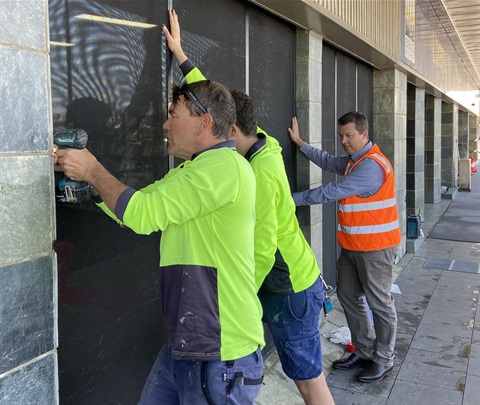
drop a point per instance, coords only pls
(363, 16)
(28, 359)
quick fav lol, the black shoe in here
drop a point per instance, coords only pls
(373, 372)
(350, 362)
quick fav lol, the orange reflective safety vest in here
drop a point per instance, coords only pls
(370, 223)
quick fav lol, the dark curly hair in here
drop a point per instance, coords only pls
(247, 118)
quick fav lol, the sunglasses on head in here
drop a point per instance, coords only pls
(189, 94)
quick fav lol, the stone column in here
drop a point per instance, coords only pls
(433, 129)
(415, 150)
(449, 156)
(389, 125)
(463, 135)
(309, 113)
(28, 331)
(473, 143)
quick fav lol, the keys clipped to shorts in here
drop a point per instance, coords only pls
(327, 303)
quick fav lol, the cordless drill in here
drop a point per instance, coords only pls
(68, 190)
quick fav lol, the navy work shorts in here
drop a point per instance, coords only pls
(187, 382)
(294, 322)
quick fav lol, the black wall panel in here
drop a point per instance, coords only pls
(365, 94)
(346, 86)
(213, 37)
(329, 142)
(112, 82)
(271, 79)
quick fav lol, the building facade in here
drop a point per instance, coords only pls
(79, 306)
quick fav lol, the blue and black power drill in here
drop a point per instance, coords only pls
(68, 190)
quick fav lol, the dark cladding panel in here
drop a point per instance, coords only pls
(272, 79)
(329, 142)
(346, 85)
(365, 93)
(213, 37)
(112, 82)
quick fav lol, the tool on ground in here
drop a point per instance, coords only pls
(413, 225)
(68, 190)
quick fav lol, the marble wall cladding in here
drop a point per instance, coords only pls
(26, 312)
(302, 44)
(34, 384)
(433, 128)
(449, 145)
(463, 134)
(302, 89)
(24, 102)
(315, 125)
(22, 21)
(415, 149)
(26, 207)
(317, 243)
(390, 108)
(420, 163)
(473, 129)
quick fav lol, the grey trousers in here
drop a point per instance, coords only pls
(369, 274)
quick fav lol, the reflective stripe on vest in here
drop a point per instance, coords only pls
(377, 205)
(368, 229)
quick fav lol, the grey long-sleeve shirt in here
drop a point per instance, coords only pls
(364, 180)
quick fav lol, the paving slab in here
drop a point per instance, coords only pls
(418, 393)
(455, 292)
(410, 309)
(348, 397)
(434, 369)
(471, 395)
(465, 251)
(474, 357)
(418, 281)
(440, 340)
(436, 248)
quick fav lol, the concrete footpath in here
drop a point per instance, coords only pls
(437, 353)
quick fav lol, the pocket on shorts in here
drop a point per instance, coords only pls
(306, 303)
(298, 305)
(304, 358)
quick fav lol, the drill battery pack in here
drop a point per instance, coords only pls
(72, 191)
(70, 138)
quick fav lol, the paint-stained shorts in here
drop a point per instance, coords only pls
(188, 382)
(294, 322)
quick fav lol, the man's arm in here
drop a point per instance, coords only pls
(294, 133)
(323, 159)
(173, 37)
(363, 181)
(190, 71)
